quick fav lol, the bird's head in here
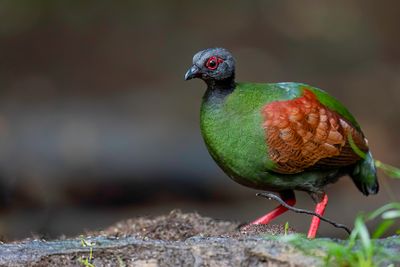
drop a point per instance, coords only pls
(212, 65)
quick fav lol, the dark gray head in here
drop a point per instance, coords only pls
(212, 65)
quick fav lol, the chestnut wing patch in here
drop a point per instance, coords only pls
(303, 134)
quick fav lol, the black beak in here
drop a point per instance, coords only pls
(193, 72)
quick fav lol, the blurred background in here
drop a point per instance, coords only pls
(97, 124)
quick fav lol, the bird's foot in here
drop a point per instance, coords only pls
(319, 210)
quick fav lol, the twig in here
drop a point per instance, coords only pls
(297, 210)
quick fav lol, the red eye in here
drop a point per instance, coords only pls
(213, 62)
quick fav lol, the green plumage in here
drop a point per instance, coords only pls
(231, 124)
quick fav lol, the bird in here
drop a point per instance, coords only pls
(279, 137)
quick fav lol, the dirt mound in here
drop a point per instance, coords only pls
(180, 226)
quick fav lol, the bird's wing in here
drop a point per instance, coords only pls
(304, 134)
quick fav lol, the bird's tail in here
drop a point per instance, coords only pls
(364, 175)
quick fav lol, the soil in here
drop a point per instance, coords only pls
(178, 226)
(176, 239)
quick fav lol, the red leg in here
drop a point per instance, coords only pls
(289, 198)
(319, 209)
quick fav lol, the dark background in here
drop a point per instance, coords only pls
(97, 124)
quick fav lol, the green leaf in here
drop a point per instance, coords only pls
(381, 210)
(286, 228)
(391, 214)
(364, 235)
(389, 170)
(382, 228)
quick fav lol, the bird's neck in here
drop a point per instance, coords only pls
(219, 89)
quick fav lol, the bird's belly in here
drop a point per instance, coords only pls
(254, 174)
(242, 154)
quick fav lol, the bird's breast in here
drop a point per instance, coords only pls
(235, 140)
